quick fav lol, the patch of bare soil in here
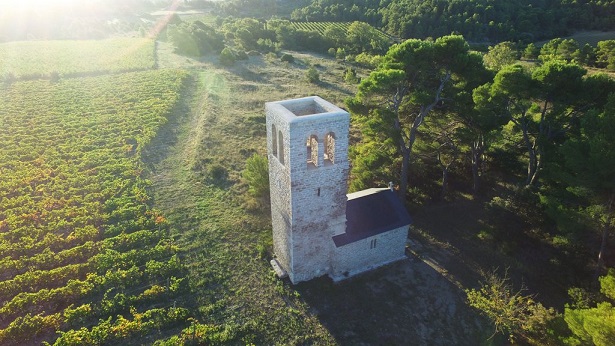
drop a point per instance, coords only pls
(406, 303)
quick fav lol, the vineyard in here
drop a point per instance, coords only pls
(321, 27)
(72, 58)
(81, 252)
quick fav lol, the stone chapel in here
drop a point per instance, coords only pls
(319, 229)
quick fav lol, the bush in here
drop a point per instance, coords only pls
(511, 312)
(350, 76)
(217, 172)
(227, 58)
(288, 58)
(340, 53)
(368, 60)
(256, 175)
(312, 75)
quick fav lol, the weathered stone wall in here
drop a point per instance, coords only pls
(357, 257)
(279, 185)
(308, 201)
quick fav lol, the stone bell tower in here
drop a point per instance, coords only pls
(307, 148)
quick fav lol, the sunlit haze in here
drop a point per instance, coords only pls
(31, 4)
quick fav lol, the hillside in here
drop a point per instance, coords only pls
(477, 20)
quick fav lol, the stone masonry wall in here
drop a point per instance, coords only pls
(358, 257)
(308, 202)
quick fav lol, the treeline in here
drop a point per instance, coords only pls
(234, 39)
(602, 56)
(477, 20)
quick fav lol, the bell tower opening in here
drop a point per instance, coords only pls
(329, 156)
(312, 151)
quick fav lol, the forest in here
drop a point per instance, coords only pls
(134, 190)
(478, 20)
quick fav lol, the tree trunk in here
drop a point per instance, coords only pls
(538, 165)
(406, 147)
(444, 181)
(478, 148)
(405, 167)
(531, 165)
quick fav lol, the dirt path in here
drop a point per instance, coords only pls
(227, 249)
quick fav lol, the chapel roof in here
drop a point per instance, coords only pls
(371, 212)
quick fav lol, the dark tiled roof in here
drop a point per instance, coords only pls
(371, 214)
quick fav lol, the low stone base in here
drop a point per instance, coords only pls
(281, 273)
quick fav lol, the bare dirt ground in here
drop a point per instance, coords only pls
(411, 302)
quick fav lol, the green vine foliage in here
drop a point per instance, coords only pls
(81, 251)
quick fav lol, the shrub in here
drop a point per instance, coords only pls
(288, 58)
(217, 172)
(340, 53)
(350, 76)
(271, 56)
(227, 58)
(368, 60)
(312, 75)
(256, 175)
(511, 312)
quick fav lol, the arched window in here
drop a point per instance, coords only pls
(281, 147)
(329, 148)
(274, 140)
(312, 151)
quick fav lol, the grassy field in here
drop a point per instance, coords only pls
(42, 59)
(196, 174)
(195, 169)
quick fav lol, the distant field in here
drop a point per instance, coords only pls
(78, 244)
(591, 37)
(41, 59)
(321, 27)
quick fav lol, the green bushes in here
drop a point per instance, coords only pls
(227, 58)
(256, 175)
(287, 58)
(195, 39)
(511, 312)
(312, 75)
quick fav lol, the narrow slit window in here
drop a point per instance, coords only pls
(329, 155)
(274, 140)
(281, 147)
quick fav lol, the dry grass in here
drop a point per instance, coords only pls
(227, 244)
